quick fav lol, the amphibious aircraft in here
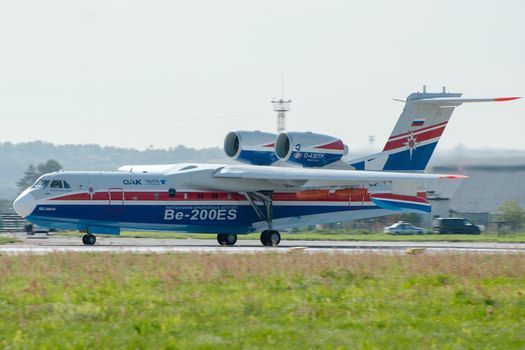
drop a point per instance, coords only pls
(288, 180)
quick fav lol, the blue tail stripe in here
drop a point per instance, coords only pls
(405, 160)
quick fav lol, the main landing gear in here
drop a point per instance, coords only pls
(270, 238)
(89, 239)
(262, 204)
(227, 238)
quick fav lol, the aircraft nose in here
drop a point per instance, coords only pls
(24, 204)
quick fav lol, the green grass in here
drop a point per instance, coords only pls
(335, 235)
(5, 240)
(265, 301)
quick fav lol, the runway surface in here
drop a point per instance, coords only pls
(50, 244)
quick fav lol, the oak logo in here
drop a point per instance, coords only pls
(132, 182)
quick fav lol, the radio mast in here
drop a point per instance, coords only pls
(281, 106)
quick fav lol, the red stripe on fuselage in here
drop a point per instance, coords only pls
(198, 196)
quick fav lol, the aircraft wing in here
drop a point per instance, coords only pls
(329, 177)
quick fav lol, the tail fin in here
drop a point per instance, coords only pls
(417, 131)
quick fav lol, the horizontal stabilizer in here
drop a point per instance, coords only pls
(393, 201)
(456, 101)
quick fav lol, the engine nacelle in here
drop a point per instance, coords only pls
(309, 149)
(252, 147)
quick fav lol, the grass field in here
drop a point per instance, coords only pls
(272, 301)
(5, 240)
(337, 235)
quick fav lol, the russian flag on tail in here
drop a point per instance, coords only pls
(418, 122)
(393, 201)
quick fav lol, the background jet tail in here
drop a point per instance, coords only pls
(417, 131)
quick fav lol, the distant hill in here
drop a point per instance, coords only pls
(15, 158)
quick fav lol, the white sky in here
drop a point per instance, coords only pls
(164, 73)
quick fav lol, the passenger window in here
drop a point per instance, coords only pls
(56, 184)
(66, 185)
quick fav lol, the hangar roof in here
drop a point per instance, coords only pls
(486, 188)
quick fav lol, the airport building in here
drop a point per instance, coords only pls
(478, 197)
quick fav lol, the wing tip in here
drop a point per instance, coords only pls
(505, 99)
(452, 177)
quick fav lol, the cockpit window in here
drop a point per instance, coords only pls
(56, 184)
(66, 185)
(41, 183)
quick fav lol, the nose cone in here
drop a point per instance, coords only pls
(24, 204)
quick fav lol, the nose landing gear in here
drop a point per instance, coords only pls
(89, 239)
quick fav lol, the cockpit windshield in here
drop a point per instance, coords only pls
(41, 183)
(54, 184)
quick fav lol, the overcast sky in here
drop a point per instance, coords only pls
(164, 73)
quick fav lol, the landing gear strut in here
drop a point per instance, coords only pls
(89, 239)
(270, 237)
(227, 238)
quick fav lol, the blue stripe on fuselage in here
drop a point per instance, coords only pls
(190, 218)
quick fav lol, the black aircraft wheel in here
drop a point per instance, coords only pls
(270, 238)
(89, 239)
(227, 238)
(264, 237)
(231, 239)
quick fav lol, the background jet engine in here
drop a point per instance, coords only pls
(309, 149)
(252, 147)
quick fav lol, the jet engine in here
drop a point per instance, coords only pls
(252, 147)
(309, 149)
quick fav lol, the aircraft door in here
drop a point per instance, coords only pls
(115, 200)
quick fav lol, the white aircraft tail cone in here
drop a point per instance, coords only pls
(24, 204)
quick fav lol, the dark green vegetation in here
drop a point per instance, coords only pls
(334, 235)
(284, 301)
(34, 172)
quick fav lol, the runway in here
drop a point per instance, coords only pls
(54, 244)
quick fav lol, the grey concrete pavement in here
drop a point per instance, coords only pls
(49, 244)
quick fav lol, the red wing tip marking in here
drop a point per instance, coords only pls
(453, 177)
(504, 99)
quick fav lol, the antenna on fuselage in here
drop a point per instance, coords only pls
(281, 106)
